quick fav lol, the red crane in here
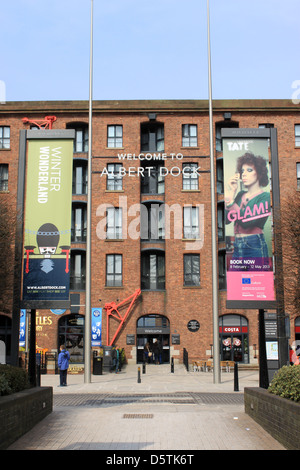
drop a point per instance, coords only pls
(112, 311)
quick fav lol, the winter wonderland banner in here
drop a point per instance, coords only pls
(47, 226)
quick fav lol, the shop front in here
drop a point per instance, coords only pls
(153, 331)
(234, 338)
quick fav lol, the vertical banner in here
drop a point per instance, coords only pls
(248, 219)
(23, 328)
(96, 327)
(47, 226)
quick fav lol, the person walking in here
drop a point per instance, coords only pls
(63, 364)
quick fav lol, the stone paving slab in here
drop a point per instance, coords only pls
(135, 416)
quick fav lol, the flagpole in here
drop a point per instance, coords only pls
(87, 338)
(216, 346)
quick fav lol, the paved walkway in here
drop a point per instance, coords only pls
(179, 411)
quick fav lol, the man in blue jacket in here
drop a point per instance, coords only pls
(63, 364)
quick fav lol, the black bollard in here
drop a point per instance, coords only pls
(236, 378)
(144, 367)
(172, 365)
(139, 375)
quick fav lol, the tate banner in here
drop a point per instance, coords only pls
(47, 224)
(248, 223)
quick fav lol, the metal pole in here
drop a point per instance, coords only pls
(216, 353)
(87, 340)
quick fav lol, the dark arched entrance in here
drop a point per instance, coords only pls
(152, 328)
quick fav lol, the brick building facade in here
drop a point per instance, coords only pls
(151, 165)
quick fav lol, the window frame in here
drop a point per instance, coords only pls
(114, 282)
(4, 169)
(297, 135)
(114, 140)
(192, 257)
(190, 229)
(188, 179)
(4, 140)
(189, 140)
(114, 223)
(114, 180)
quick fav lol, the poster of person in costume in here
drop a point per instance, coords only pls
(248, 219)
(47, 226)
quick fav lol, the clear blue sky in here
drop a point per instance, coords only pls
(149, 49)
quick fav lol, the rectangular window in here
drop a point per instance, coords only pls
(4, 177)
(79, 185)
(4, 137)
(190, 176)
(222, 269)
(191, 222)
(153, 271)
(113, 270)
(191, 270)
(189, 135)
(114, 223)
(220, 176)
(114, 136)
(298, 175)
(297, 135)
(78, 273)
(114, 180)
(221, 222)
(153, 181)
(81, 142)
(152, 137)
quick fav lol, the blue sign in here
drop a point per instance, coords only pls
(22, 336)
(96, 327)
(246, 280)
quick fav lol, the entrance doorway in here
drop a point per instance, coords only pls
(154, 330)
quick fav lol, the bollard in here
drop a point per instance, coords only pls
(172, 365)
(139, 375)
(236, 378)
(144, 368)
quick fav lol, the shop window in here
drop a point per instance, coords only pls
(234, 338)
(71, 334)
(190, 180)
(79, 177)
(189, 135)
(153, 270)
(4, 137)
